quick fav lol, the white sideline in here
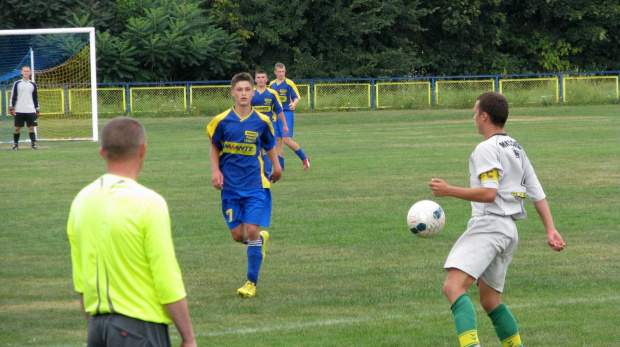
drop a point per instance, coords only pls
(345, 321)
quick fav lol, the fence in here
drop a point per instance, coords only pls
(210, 98)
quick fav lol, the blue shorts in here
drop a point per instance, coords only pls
(290, 121)
(276, 127)
(246, 206)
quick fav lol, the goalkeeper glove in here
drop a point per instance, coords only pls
(12, 111)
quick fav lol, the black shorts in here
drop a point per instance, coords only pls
(29, 118)
(115, 330)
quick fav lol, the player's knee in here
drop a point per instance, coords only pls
(238, 238)
(448, 288)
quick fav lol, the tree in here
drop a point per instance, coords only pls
(178, 41)
(321, 38)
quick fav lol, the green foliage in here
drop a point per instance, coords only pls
(177, 41)
(117, 59)
(319, 39)
(213, 39)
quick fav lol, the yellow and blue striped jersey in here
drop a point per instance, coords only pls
(287, 90)
(267, 103)
(239, 140)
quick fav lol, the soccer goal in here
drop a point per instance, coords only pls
(63, 64)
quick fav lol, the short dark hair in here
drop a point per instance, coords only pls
(260, 72)
(121, 138)
(495, 105)
(242, 76)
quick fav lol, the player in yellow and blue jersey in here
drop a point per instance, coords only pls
(267, 101)
(289, 96)
(237, 137)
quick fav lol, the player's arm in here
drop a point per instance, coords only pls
(217, 178)
(294, 95)
(276, 172)
(478, 194)
(277, 107)
(293, 104)
(35, 98)
(180, 316)
(81, 300)
(13, 100)
(284, 124)
(163, 265)
(553, 236)
(76, 264)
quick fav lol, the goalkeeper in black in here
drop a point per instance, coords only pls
(24, 107)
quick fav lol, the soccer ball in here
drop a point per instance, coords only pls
(426, 218)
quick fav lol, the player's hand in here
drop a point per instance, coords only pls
(37, 113)
(438, 187)
(12, 112)
(285, 129)
(276, 174)
(292, 107)
(217, 179)
(555, 241)
(188, 343)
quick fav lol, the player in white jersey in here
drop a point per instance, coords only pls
(501, 176)
(24, 106)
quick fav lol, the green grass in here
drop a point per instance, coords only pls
(342, 268)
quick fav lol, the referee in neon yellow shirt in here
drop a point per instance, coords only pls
(124, 266)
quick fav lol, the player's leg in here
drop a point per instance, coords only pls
(31, 122)
(253, 215)
(255, 260)
(455, 288)
(504, 322)
(288, 140)
(279, 149)
(491, 284)
(295, 147)
(16, 138)
(18, 123)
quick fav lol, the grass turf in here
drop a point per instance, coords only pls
(342, 268)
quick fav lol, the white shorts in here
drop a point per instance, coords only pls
(485, 249)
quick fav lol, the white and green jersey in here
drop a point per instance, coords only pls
(501, 163)
(122, 252)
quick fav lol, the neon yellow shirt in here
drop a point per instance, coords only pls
(122, 251)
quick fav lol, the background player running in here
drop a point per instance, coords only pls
(266, 101)
(501, 176)
(237, 137)
(289, 96)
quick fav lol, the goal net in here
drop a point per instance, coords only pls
(63, 64)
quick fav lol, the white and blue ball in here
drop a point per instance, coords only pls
(426, 218)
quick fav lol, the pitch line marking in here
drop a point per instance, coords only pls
(345, 321)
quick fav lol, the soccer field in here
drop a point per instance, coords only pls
(342, 268)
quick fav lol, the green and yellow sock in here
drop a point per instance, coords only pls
(465, 321)
(505, 326)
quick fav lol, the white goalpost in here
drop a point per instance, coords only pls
(63, 64)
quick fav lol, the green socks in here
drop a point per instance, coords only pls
(465, 321)
(505, 326)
